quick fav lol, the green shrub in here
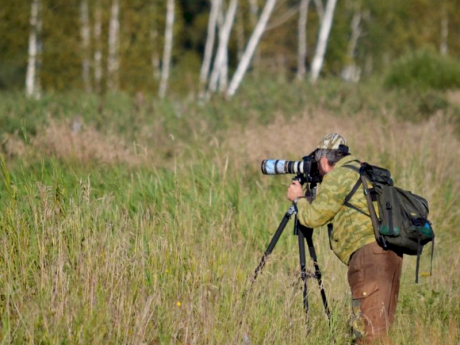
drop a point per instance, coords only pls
(423, 70)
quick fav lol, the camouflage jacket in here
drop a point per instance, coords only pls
(351, 229)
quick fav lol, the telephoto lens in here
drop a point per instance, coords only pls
(278, 166)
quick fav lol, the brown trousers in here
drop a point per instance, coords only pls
(373, 275)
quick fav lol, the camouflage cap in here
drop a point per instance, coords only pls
(332, 142)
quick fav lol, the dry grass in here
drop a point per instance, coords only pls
(76, 141)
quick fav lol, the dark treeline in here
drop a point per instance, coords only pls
(366, 36)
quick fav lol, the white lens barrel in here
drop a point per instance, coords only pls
(279, 166)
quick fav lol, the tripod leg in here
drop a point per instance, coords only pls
(311, 248)
(273, 242)
(303, 270)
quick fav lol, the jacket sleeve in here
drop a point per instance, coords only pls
(334, 189)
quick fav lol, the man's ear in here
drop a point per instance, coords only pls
(323, 163)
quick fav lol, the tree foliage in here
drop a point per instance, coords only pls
(389, 28)
(424, 69)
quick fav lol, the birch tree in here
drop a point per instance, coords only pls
(223, 70)
(221, 54)
(32, 80)
(254, 11)
(443, 47)
(85, 33)
(98, 47)
(302, 45)
(167, 48)
(319, 9)
(113, 62)
(351, 71)
(155, 56)
(209, 47)
(322, 40)
(251, 47)
(254, 14)
(240, 39)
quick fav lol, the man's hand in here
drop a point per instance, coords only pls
(294, 191)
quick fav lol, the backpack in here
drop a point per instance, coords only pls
(402, 223)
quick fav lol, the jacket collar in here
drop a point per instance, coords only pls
(345, 160)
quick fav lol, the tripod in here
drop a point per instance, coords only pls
(303, 233)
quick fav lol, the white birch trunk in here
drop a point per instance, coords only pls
(31, 75)
(322, 40)
(85, 32)
(251, 47)
(221, 55)
(212, 24)
(240, 39)
(355, 34)
(167, 49)
(98, 48)
(38, 84)
(302, 45)
(283, 19)
(223, 74)
(351, 72)
(254, 11)
(155, 56)
(254, 16)
(444, 48)
(319, 9)
(113, 62)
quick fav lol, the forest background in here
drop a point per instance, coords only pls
(133, 210)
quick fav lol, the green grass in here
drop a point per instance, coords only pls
(159, 244)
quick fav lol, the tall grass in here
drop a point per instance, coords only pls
(159, 245)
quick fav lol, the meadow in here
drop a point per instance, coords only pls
(129, 220)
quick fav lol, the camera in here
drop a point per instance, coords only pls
(306, 169)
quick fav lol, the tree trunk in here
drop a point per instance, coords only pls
(302, 45)
(444, 48)
(319, 9)
(221, 55)
(85, 32)
(240, 39)
(223, 72)
(254, 16)
(251, 47)
(155, 56)
(32, 81)
(212, 24)
(254, 11)
(113, 63)
(351, 72)
(167, 48)
(98, 48)
(38, 84)
(322, 40)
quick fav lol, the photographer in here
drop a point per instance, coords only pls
(373, 273)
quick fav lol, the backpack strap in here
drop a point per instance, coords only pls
(419, 252)
(330, 229)
(432, 254)
(353, 191)
(352, 166)
(375, 223)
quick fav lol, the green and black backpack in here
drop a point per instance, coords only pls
(402, 223)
